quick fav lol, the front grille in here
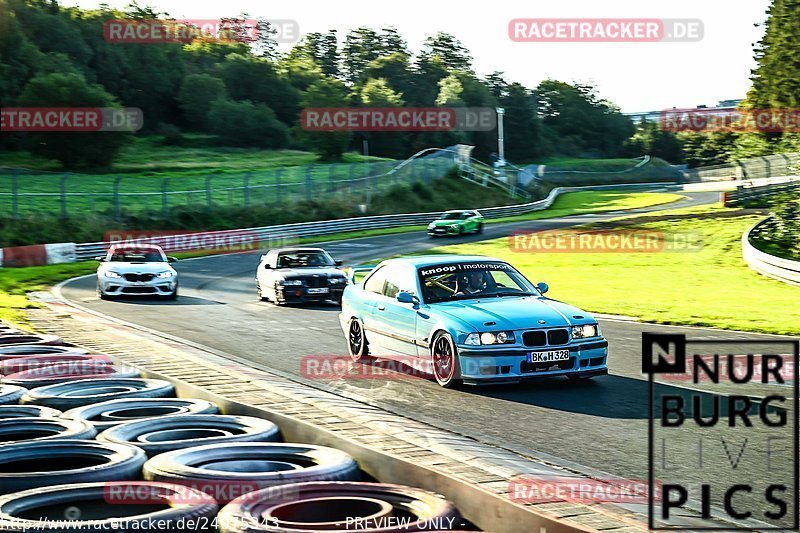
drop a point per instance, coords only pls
(526, 367)
(557, 336)
(534, 338)
(316, 282)
(139, 277)
(139, 290)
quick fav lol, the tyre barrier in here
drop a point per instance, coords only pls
(81, 392)
(159, 435)
(27, 411)
(227, 471)
(54, 374)
(39, 429)
(10, 394)
(18, 350)
(34, 464)
(170, 506)
(62, 360)
(108, 414)
(11, 337)
(338, 505)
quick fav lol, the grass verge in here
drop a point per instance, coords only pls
(712, 287)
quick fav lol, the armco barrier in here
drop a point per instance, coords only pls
(328, 227)
(754, 190)
(784, 270)
(38, 255)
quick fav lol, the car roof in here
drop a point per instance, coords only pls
(439, 259)
(135, 247)
(295, 250)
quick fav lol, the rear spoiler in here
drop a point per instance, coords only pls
(358, 269)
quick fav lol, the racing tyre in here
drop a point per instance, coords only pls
(11, 352)
(10, 394)
(54, 374)
(112, 413)
(33, 464)
(94, 507)
(321, 506)
(39, 429)
(160, 435)
(357, 345)
(80, 392)
(63, 360)
(11, 337)
(226, 471)
(27, 411)
(446, 368)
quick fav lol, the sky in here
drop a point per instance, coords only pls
(634, 76)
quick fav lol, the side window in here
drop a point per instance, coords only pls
(376, 281)
(398, 279)
(464, 216)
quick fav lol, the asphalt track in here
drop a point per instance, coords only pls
(601, 424)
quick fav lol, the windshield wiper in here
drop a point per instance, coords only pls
(509, 293)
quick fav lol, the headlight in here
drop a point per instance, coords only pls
(502, 337)
(290, 282)
(582, 332)
(431, 225)
(453, 226)
(338, 281)
(163, 275)
(111, 274)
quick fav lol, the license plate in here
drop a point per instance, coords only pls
(548, 357)
(323, 290)
(439, 230)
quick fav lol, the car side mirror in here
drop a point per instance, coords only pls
(171, 259)
(543, 287)
(338, 262)
(267, 266)
(407, 298)
(100, 258)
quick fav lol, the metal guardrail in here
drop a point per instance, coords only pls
(747, 190)
(784, 270)
(328, 227)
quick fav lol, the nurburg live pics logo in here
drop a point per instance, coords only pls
(731, 479)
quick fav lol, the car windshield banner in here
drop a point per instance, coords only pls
(453, 268)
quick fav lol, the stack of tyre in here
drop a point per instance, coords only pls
(88, 444)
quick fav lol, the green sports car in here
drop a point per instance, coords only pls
(456, 223)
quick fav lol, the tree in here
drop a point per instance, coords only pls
(324, 50)
(197, 93)
(377, 93)
(300, 69)
(73, 149)
(247, 124)
(394, 68)
(257, 80)
(521, 124)
(583, 123)
(330, 145)
(449, 50)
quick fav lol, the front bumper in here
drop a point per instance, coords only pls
(300, 294)
(442, 231)
(510, 365)
(123, 287)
